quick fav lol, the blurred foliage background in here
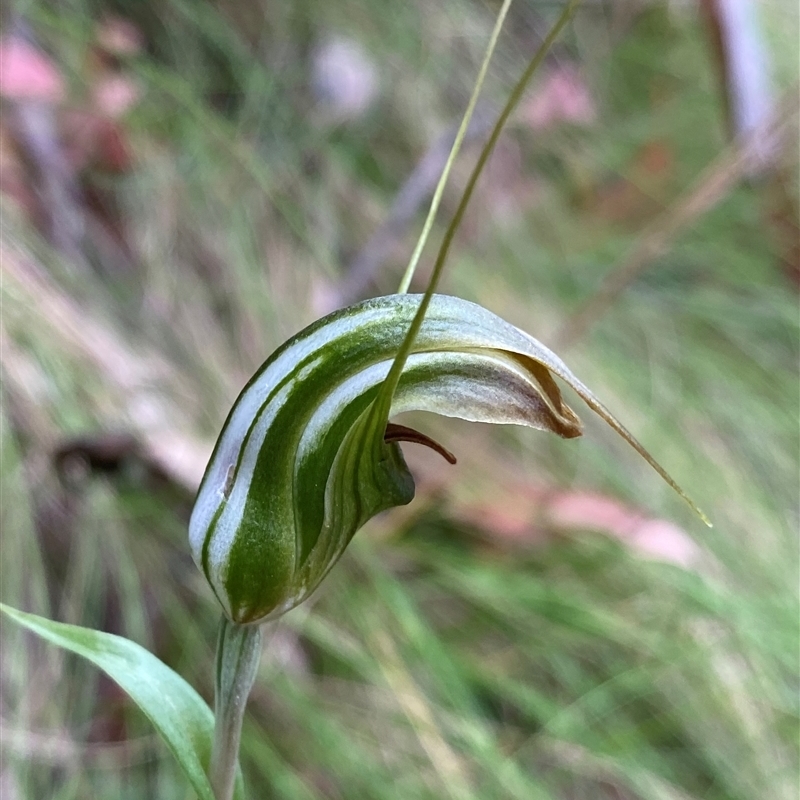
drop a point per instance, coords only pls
(186, 183)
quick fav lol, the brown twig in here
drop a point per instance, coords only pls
(140, 377)
(417, 188)
(63, 750)
(713, 185)
(741, 55)
(33, 124)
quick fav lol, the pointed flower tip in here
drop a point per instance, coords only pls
(697, 510)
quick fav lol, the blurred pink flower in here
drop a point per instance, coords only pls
(114, 95)
(119, 37)
(653, 538)
(28, 74)
(561, 96)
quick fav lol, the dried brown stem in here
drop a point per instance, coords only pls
(141, 378)
(417, 188)
(713, 185)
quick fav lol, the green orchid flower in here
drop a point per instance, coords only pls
(307, 455)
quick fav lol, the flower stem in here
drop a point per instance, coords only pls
(462, 132)
(383, 401)
(238, 654)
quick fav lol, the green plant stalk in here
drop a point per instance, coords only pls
(238, 654)
(462, 132)
(380, 408)
(511, 104)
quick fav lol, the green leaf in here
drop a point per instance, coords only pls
(178, 713)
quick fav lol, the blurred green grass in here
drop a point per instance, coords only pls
(440, 659)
